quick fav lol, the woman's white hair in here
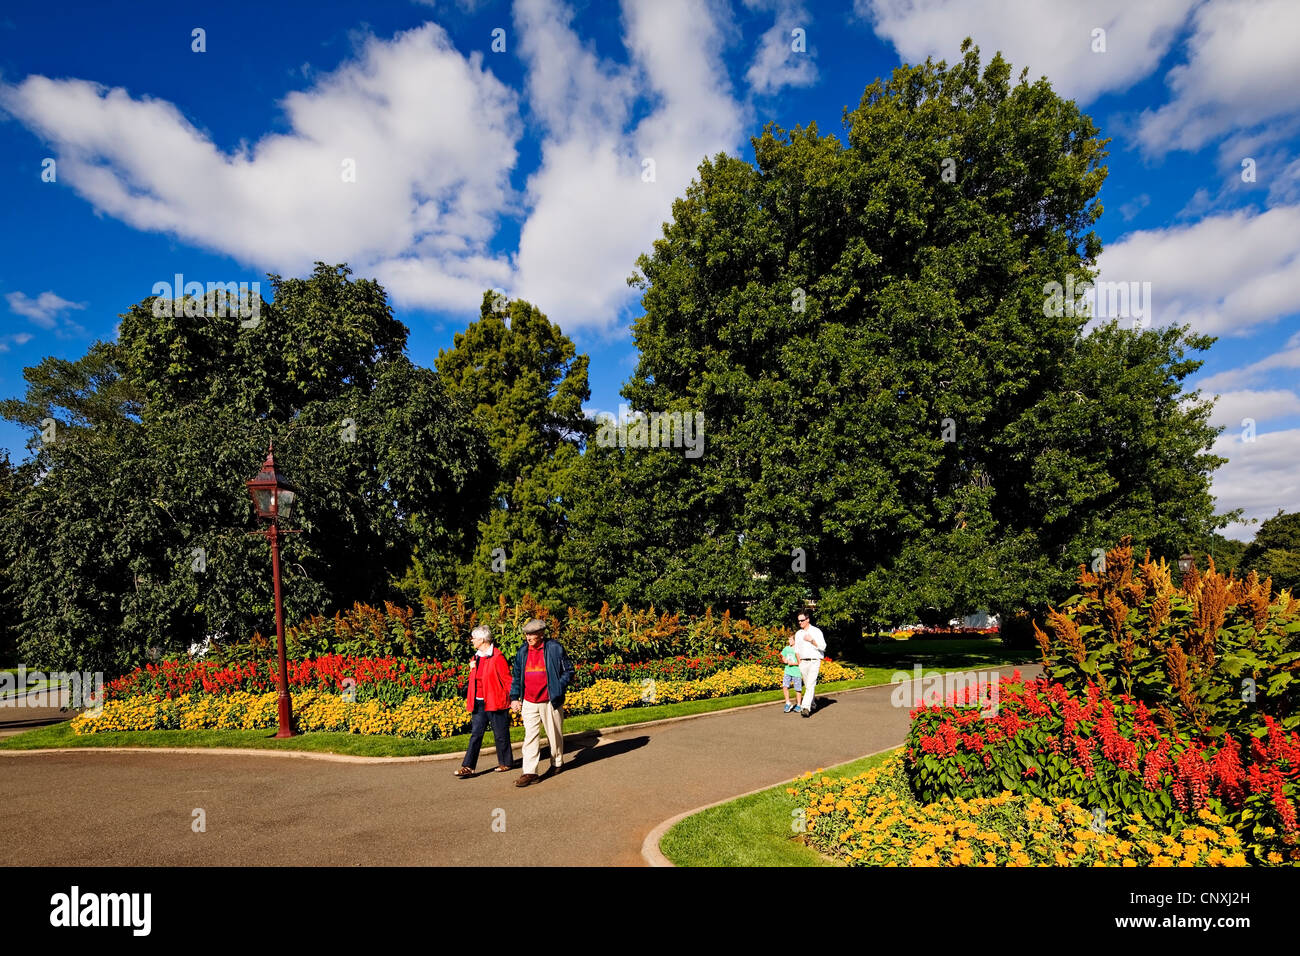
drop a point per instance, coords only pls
(482, 631)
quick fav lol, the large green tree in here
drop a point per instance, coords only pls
(1275, 551)
(897, 420)
(525, 383)
(132, 532)
(11, 479)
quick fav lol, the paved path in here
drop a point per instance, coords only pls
(132, 808)
(15, 719)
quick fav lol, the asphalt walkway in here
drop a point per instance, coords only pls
(134, 808)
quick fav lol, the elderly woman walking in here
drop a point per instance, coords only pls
(488, 699)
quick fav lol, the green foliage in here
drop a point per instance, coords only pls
(838, 310)
(1226, 552)
(9, 482)
(130, 530)
(1275, 552)
(525, 384)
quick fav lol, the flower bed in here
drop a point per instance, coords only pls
(873, 819)
(388, 679)
(417, 715)
(1109, 753)
(940, 633)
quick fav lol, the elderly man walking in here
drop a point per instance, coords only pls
(542, 675)
(810, 646)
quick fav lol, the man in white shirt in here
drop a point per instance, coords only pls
(810, 647)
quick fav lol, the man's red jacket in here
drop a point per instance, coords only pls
(494, 681)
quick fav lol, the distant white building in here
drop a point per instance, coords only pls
(980, 619)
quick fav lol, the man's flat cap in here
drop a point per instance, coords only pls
(535, 626)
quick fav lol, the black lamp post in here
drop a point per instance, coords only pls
(273, 497)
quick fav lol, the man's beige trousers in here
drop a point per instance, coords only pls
(536, 717)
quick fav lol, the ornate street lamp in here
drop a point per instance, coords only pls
(273, 497)
(1185, 563)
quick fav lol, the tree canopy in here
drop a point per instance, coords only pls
(133, 532)
(1275, 551)
(895, 419)
(525, 383)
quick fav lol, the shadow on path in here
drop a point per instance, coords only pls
(590, 753)
(822, 703)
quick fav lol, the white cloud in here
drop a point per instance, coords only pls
(21, 338)
(1272, 175)
(1050, 37)
(1260, 476)
(1284, 188)
(1222, 275)
(1286, 358)
(777, 64)
(1134, 206)
(465, 6)
(432, 135)
(1241, 72)
(592, 212)
(44, 310)
(1258, 405)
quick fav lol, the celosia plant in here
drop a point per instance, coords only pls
(440, 628)
(1210, 656)
(1108, 754)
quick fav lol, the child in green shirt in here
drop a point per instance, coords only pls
(791, 676)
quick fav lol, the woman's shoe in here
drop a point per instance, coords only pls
(464, 772)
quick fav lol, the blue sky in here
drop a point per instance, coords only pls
(523, 169)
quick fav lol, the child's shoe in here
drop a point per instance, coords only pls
(789, 707)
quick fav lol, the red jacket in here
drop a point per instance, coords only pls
(494, 681)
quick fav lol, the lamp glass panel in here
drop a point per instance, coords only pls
(285, 503)
(262, 499)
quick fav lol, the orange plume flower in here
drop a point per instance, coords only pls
(1044, 644)
(1068, 634)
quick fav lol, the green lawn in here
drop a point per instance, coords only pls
(943, 653)
(753, 831)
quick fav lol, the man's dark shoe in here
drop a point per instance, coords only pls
(526, 779)
(806, 712)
